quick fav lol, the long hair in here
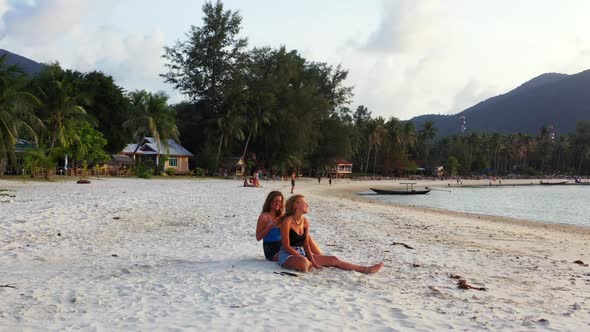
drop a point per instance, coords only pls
(290, 205)
(268, 202)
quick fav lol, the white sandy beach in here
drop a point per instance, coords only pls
(180, 254)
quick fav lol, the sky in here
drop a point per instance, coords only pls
(405, 57)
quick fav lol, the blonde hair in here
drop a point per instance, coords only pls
(290, 206)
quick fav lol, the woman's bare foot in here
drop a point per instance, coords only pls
(374, 268)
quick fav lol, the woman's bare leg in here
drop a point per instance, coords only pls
(332, 261)
(298, 263)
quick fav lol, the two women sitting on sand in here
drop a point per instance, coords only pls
(267, 228)
(297, 250)
(254, 182)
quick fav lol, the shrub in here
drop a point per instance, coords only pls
(199, 172)
(171, 171)
(145, 169)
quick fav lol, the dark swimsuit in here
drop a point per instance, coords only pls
(296, 241)
(272, 243)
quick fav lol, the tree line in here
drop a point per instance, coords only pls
(83, 116)
(293, 113)
(271, 106)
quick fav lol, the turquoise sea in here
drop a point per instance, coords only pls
(554, 204)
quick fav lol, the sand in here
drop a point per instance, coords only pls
(181, 254)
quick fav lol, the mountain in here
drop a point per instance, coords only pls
(550, 99)
(29, 66)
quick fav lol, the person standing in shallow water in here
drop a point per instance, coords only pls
(267, 228)
(296, 252)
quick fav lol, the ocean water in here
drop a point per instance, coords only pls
(554, 204)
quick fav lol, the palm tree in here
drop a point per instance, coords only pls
(60, 105)
(393, 138)
(496, 146)
(258, 117)
(370, 128)
(152, 117)
(427, 133)
(377, 138)
(230, 127)
(40, 157)
(16, 112)
(545, 145)
(562, 149)
(582, 141)
(409, 140)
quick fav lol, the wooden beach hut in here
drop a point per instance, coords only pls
(340, 169)
(149, 150)
(16, 166)
(233, 166)
(118, 165)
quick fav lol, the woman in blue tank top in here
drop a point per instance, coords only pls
(267, 228)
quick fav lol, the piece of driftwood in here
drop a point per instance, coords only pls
(287, 274)
(7, 286)
(464, 285)
(402, 244)
(579, 262)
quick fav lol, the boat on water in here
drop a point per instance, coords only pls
(400, 192)
(553, 183)
(409, 190)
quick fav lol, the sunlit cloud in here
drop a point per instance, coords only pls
(134, 60)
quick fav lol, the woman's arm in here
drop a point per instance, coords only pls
(285, 227)
(263, 226)
(306, 243)
(315, 248)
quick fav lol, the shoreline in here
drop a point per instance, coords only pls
(569, 242)
(351, 190)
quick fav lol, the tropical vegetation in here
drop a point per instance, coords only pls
(271, 106)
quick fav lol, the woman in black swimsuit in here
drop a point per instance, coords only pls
(295, 251)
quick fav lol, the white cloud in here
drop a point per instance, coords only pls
(56, 30)
(433, 57)
(4, 8)
(408, 57)
(399, 68)
(406, 26)
(44, 21)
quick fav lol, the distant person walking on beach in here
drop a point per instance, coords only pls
(319, 178)
(330, 179)
(296, 252)
(292, 182)
(267, 228)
